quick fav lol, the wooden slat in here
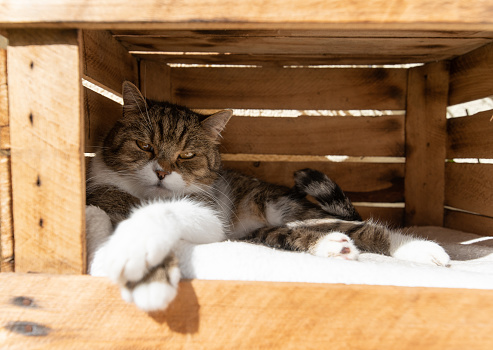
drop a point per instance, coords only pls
(432, 48)
(85, 312)
(469, 187)
(471, 76)
(470, 137)
(314, 135)
(6, 233)
(47, 143)
(393, 217)
(155, 80)
(254, 14)
(466, 222)
(425, 144)
(332, 33)
(362, 182)
(106, 61)
(100, 114)
(364, 88)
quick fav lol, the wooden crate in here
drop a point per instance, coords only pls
(297, 74)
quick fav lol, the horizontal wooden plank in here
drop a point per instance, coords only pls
(106, 61)
(286, 60)
(471, 76)
(394, 217)
(470, 137)
(314, 135)
(362, 182)
(469, 187)
(241, 315)
(336, 46)
(467, 222)
(100, 114)
(256, 14)
(275, 88)
(330, 33)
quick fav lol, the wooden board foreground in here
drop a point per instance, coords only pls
(82, 312)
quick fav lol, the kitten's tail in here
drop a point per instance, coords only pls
(327, 193)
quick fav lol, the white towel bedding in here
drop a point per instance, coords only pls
(471, 266)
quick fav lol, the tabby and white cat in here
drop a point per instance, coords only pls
(159, 179)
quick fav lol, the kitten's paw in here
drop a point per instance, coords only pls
(335, 244)
(422, 251)
(157, 289)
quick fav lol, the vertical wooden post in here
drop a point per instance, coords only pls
(6, 234)
(155, 80)
(47, 150)
(426, 132)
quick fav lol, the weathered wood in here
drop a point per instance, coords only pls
(362, 182)
(394, 217)
(254, 14)
(425, 144)
(85, 312)
(47, 150)
(100, 114)
(155, 80)
(297, 88)
(106, 61)
(431, 48)
(468, 187)
(6, 233)
(467, 222)
(471, 76)
(354, 136)
(470, 137)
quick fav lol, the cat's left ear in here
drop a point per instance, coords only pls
(215, 123)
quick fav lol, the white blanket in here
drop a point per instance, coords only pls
(471, 266)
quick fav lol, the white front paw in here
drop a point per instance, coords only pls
(138, 244)
(421, 251)
(335, 244)
(156, 291)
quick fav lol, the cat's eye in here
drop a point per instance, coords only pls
(186, 155)
(145, 146)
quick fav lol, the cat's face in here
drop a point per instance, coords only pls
(163, 149)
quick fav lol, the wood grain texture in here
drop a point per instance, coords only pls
(426, 144)
(100, 114)
(106, 61)
(394, 217)
(314, 135)
(6, 232)
(471, 76)
(47, 150)
(85, 312)
(470, 137)
(481, 225)
(362, 182)
(468, 187)
(257, 14)
(275, 88)
(155, 80)
(428, 48)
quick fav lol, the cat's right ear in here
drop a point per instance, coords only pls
(133, 101)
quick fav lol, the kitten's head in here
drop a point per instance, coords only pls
(162, 149)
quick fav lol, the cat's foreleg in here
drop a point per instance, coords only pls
(138, 255)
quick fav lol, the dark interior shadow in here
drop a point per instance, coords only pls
(182, 315)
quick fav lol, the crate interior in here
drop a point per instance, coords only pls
(367, 108)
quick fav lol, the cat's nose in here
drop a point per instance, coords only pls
(162, 174)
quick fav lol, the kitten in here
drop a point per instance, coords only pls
(158, 179)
